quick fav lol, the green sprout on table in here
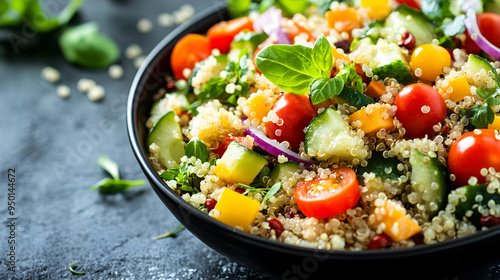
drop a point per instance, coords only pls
(115, 185)
(71, 268)
(169, 234)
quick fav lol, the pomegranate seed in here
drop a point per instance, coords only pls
(171, 86)
(489, 221)
(418, 238)
(344, 45)
(380, 241)
(276, 225)
(240, 190)
(210, 203)
(407, 40)
(290, 214)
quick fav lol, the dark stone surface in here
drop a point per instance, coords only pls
(54, 144)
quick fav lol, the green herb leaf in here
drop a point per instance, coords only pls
(272, 191)
(213, 88)
(481, 115)
(436, 10)
(492, 101)
(289, 67)
(72, 269)
(110, 186)
(196, 148)
(249, 40)
(85, 46)
(238, 8)
(292, 7)
(169, 234)
(322, 89)
(169, 174)
(455, 27)
(110, 166)
(322, 55)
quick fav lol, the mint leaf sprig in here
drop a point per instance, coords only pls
(115, 185)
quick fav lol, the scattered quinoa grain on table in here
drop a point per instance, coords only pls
(344, 129)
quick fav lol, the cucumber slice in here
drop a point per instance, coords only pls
(414, 21)
(166, 133)
(353, 97)
(328, 136)
(429, 179)
(283, 170)
(476, 63)
(385, 168)
(397, 70)
(472, 200)
(239, 164)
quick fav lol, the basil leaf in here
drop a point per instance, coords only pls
(85, 46)
(322, 55)
(43, 23)
(455, 27)
(110, 166)
(492, 101)
(322, 89)
(196, 148)
(289, 67)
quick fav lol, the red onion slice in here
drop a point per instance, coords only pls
(474, 32)
(273, 147)
(270, 23)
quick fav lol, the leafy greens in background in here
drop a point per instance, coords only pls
(115, 185)
(18, 12)
(85, 46)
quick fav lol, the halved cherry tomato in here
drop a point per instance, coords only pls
(191, 49)
(472, 152)
(489, 25)
(420, 107)
(323, 198)
(222, 34)
(415, 4)
(295, 113)
(230, 138)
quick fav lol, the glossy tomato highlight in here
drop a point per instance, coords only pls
(472, 152)
(191, 49)
(323, 198)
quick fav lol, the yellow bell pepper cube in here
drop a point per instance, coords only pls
(379, 9)
(398, 225)
(235, 209)
(460, 89)
(373, 118)
(258, 108)
(496, 123)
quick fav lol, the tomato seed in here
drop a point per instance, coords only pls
(407, 40)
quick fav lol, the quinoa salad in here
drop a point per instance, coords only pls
(354, 125)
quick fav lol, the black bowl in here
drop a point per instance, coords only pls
(277, 259)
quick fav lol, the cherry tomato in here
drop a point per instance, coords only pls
(323, 198)
(430, 59)
(295, 112)
(415, 4)
(230, 138)
(191, 49)
(489, 25)
(420, 107)
(222, 34)
(472, 152)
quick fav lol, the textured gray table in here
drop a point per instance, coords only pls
(54, 143)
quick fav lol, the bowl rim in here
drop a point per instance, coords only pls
(219, 9)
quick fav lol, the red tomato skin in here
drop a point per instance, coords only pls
(472, 152)
(190, 49)
(415, 4)
(296, 111)
(222, 34)
(410, 101)
(489, 25)
(332, 202)
(230, 138)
